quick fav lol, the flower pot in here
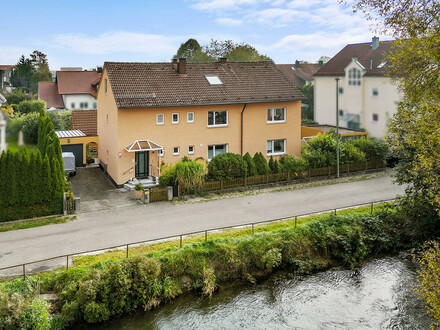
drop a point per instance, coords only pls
(138, 194)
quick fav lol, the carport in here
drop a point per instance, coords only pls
(76, 141)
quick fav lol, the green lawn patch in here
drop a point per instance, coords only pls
(12, 142)
(34, 223)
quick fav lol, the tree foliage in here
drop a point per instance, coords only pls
(193, 52)
(234, 52)
(414, 63)
(29, 71)
(307, 90)
(227, 166)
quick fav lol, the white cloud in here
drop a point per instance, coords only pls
(229, 21)
(220, 5)
(275, 16)
(296, 4)
(149, 44)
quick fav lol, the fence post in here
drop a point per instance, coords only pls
(67, 262)
(252, 229)
(366, 165)
(245, 181)
(296, 217)
(309, 173)
(206, 235)
(371, 207)
(288, 176)
(329, 172)
(267, 178)
(127, 250)
(24, 271)
(348, 168)
(180, 240)
(221, 184)
(335, 211)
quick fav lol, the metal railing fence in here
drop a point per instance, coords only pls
(204, 231)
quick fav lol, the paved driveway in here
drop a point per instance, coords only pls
(97, 192)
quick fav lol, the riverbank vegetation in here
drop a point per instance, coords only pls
(94, 292)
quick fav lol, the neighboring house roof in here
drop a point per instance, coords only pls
(48, 91)
(77, 82)
(86, 121)
(299, 74)
(143, 85)
(366, 56)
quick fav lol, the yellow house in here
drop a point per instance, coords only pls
(154, 112)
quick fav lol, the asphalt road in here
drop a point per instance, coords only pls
(106, 228)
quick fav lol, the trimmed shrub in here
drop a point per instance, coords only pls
(26, 107)
(320, 151)
(30, 127)
(374, 149)
(261, 164)
(227, 166)
(290, 163)
(274, 165)
(167, 176)
(251, 168)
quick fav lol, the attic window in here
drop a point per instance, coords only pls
(213, 80)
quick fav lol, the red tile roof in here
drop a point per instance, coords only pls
(77, 82)
(85, 121)
(365, 55)
(48, 91)
(303, 72)
(142, 85)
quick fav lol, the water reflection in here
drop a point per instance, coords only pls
(379, 295)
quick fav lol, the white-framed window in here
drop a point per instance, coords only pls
(160, 119)
(190, 117)
(218, 118)
(341, 113)
(276, 115)
(94, 105)
(217, 149)
(276, 147)
(72, 105)
(175, 119)
(190, 150)
(375, 92)
(160, 152)
(213, 80)
(176, 151)
(341, 90)
(83, 105)
(375, 117)
(354, 77)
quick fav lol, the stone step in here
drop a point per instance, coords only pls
(147, 183)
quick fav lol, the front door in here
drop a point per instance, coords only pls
(142, 164)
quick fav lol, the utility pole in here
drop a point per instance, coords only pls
(337, 126)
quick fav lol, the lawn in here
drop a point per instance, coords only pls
(12, 142)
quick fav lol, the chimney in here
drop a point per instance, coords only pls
(375, 43)
(181, 66)
(320, 63)
(222, 60)
(174, 60)
(297, 64)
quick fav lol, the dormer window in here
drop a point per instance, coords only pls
(354, 77)
(213, 80)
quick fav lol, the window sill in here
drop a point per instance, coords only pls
(276, 122)
(214, 126)
(276, 154)
(159, 123)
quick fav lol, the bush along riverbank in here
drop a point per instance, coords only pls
(95, 293)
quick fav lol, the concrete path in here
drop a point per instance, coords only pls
(106, 228)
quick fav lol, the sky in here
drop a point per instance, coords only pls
(87, 33)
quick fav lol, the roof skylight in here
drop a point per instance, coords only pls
(213, 80)
(381, 65)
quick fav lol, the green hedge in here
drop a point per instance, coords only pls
(32, 184)
(226, 167)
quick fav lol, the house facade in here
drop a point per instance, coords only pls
(72, 89)
(154, 112)
(366, 97)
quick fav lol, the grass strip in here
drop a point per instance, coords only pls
(34, 223)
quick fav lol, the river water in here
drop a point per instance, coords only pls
(378, 295)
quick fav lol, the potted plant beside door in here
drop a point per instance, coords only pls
(138, 188)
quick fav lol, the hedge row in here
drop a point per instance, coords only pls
(319, 152)
(32, 184)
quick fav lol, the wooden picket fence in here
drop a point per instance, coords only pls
(289, 176)
(158, 194)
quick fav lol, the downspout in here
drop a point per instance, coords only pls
(242, 111)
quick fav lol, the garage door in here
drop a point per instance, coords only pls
(77, 150)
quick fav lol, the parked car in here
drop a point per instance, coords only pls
(69, 163)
